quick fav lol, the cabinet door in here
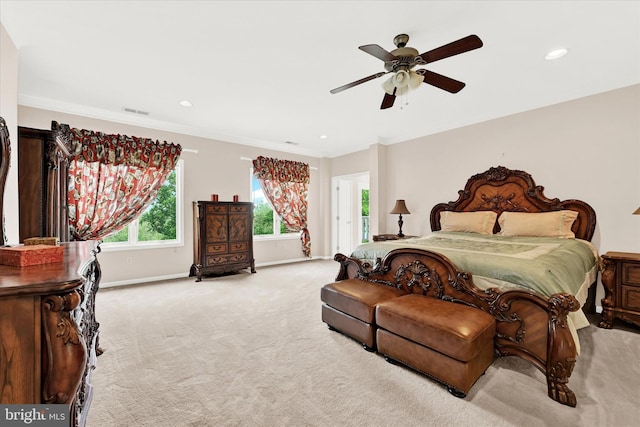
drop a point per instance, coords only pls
(240, 223)
(216, 227)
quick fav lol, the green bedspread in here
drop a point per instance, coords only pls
(542, 264)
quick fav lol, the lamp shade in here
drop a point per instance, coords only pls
(400, 208)
(636, 212)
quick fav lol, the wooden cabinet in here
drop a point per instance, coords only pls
(48, 331)
(222, 238)
(621, 281)
(42, 182)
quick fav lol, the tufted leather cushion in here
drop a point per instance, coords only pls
(357, 297)
(457, 330)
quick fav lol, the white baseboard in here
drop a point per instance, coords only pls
(142, 280)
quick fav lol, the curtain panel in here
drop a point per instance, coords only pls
(113, 179)
(285, 185)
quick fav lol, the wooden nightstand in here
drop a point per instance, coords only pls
(621, 281)
(385, 237)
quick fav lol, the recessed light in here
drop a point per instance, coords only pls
(323, 137)
(555, 54)
(186, 103)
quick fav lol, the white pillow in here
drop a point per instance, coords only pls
(470, 222)
(543, 224)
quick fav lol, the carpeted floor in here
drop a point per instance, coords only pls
(251, 350)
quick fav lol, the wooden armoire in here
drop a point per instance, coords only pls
(222, 238)
(42, 182)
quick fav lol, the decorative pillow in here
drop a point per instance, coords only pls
(543, 224)
(471, 222)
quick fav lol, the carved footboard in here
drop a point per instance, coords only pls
(528, 325)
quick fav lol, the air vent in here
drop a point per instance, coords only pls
(131, 110)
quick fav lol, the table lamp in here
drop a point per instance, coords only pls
(400, 208)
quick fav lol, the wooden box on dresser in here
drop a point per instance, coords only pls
(48, 331)
(222, 238)
(621, 281)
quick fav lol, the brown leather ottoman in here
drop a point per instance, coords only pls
(349, 307)
(450, 342)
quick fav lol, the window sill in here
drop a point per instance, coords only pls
(140, 246)
(264, 237)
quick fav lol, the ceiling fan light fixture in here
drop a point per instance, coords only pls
(389, 85)
(401, 82)
(415, 80)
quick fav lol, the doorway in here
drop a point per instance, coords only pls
(350, 212)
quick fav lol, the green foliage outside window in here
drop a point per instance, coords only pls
(262, 218)
(158, 222)
(365, 202)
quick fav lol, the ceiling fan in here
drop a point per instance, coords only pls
(403, 59)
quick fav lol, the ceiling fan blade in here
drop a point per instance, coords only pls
(465, 44)
(442, 82)
(388, 100)
(378, 52)
(357, 82)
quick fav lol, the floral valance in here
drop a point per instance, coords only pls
(281, 170)
(91, 146)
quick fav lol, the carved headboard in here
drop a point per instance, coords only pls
(501, 189)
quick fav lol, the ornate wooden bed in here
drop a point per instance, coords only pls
(529, 325)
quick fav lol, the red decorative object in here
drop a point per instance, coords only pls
(214, 197)
(235, 198)
(23, 256)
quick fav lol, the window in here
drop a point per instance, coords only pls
(161, 222)
(264, 221)
(364, 203)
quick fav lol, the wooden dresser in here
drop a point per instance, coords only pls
(621, 281)
(48, 331)
(222, 238)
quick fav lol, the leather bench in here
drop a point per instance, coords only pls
(448, 341)
(349, 307)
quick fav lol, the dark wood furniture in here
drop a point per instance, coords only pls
(621, 281)
(42, 180)
(48, 331)
(528, 325)
(385, 237)
(222, 238)
(5, 160)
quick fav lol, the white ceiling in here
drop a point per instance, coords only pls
(259, 72)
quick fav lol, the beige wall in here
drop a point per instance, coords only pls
(215, 168)
(9, 111)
